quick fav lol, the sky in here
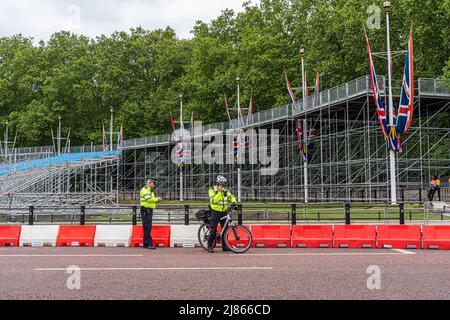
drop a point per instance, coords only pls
(41, 18)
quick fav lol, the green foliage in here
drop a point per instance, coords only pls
(141, 73)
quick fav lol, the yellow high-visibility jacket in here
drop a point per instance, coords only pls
(148, 198)
(220, 201)
(433, 183)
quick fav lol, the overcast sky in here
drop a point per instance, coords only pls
(41, 18)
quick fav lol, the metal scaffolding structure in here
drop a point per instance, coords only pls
(72, 184)
(348, 160)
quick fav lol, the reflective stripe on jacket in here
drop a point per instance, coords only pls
(220, 201)
(148, 198)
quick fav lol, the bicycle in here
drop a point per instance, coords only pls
(237, 238)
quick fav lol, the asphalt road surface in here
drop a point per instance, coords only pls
(192, 274)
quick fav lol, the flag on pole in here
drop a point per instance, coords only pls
(249, 121)
(299, 135)
(291, 94)
(105, 146)
(381, 111)
(228, 112)
(172, 121)
(179, 147)
(317, 90)
(305, 92)
(301, 140)
(180, 150)
(406, 107)
(120, 138)
(240, 116)
(192, 128)
(235, 150)
(250, 112)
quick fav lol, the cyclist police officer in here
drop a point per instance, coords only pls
(148, 202)
(219, 199)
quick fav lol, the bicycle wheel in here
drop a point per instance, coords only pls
(203, 235)
(239, 239)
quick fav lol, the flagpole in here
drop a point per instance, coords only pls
(182, 145)
(111, 130)
(238, 80)
(59, 135)
(305, 125)
(387, 8)
(6, 141)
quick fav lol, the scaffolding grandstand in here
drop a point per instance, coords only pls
(347, 160)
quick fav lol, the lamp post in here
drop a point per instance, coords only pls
(305, 124)
(182, 145)
(238, 82)
(392, 156)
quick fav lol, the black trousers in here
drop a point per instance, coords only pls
(214, 222)
(147, 222)
(432, 193)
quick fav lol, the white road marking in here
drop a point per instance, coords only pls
(68, 255)
(404, 251)
(321, 254)
(164, 269)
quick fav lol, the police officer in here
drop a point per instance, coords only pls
(438, 187)
(148, 202)
(219, 199)
(433, 188)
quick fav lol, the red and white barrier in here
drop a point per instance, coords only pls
(113, 236)
(271, 236)
(160, 236)
(9, 236)
(76, 236)
(184, 236)
(267, 236)
(38, 236)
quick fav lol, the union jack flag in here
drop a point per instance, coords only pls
(250, 112)
(406, 107)
(172, 121)
(192, 128)
(376, 93)
(317, 90)
(104, 143)
(300, 140)
(180, 150)
(291, 93)
(228, 111)
(120, 140)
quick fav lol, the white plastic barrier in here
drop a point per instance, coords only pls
(113, 236)
(38, 236)
(184, 236)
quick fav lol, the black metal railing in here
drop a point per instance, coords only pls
(292, 213)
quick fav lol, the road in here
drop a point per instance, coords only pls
(193, 274)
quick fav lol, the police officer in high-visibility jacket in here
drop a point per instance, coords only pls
(219, 200)
(148, 202)
(438, 187)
